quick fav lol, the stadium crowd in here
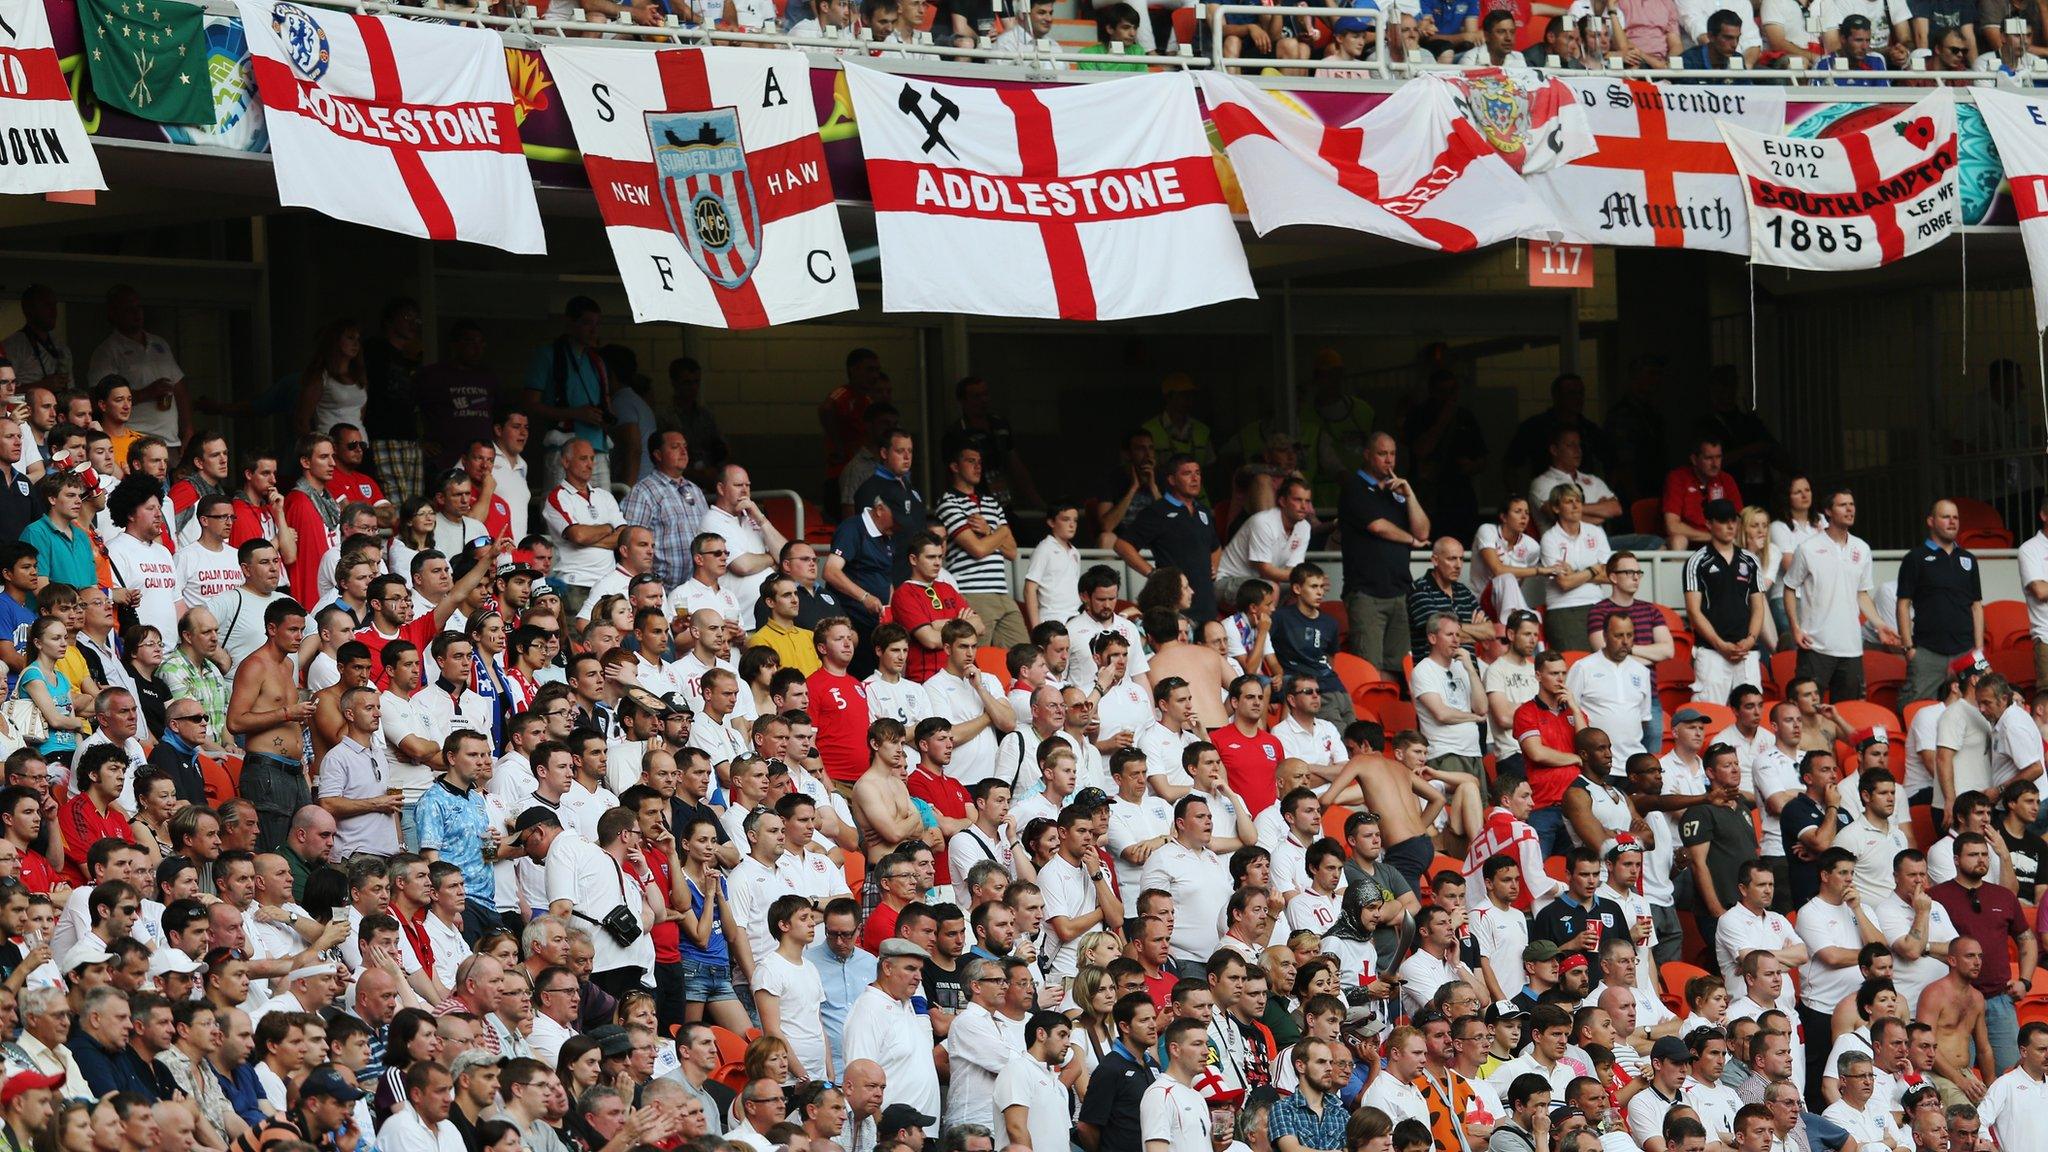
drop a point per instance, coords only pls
(405, 789)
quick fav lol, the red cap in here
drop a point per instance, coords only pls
(1967, 661)
(28, 1082)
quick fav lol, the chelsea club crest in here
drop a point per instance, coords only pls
(303, 40)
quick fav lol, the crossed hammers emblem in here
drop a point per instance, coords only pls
(911, 103)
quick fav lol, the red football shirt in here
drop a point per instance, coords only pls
(916, 605)
(84, 826)
(839, 706)
(1554, 729)
(1686, 494)
(1251, 763)
(354, 487)
(948, 798)
(880, 926)
(419, 631)
(251, 522)
(36, 873)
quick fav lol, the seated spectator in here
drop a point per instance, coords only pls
(2007, 61)
(1448, 27)
(1687, 490)
(1560, 47)
(1022, 36)
(1596, 41)
(1504, 556)
(1254, 37)
(1441, 591)
(1722, 43)
(1496, 48)
(1849, 50)
(1651, 31)
(1653, 642)
(1114, 24)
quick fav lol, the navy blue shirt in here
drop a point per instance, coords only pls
(1303, 646)
(1373, 566)
(1942, 584)
(1183, 535)
(1564, 918)
(1803, 812)
(869, 560)
(244, 1093)
(121, 1071)
(905, 503)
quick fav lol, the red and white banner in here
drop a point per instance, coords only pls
(1412, 169)
(1531, 120)
(43, 147)
(1859, 200)
(711, 180)
(398, 125)
(2019, 127)
(1660, 175)
(1090, 202)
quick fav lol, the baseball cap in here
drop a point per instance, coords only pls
(612, 1039)
(1867, 737)
(897, 946)
(29, 1082)
(1671, 1048)
(1720, 511)
(1501, 1010)
(537, 816)
(167, 960)
(1089, 799)
(1689, 716)
(479, 1058)
(897, 1117)
(1344, 24)
(1540, 951)
(325, 1081)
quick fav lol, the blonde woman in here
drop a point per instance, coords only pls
(1576, 552)
(1756, 537)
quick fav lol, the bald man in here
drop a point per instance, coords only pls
(863, 1081)
(308, 844)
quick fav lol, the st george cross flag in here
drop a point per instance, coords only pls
(1660, 175)
(1412, 169)
(1859, 200)
(1092, 202)
(398, 125)
(2019, 127)
(711, 180)
(43, 147)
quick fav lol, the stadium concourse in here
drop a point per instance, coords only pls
(399, 786)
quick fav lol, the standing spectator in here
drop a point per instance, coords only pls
(1510, 682)
(1174, 1113)
(980, 548)
(1940, 606)
(1098, 587)
(568, 392)
(1175, 431)
(1539, 434)
(1625, 576)
(1615, 691)
(1826, 585)
(880, 421)
(1447, 448)
(883, 1027)
(1444, 684)
(1439, 591)
(1992, 914)
(1874, 837)
(1724, 603)
(1835, 926)
(580, 510)
(689, 415)
(163, 402)
(1576, 553)
(510, 430)
(842, 414)
(1690, 487)
(1305, 637)
(1270, 543)
(391, 417)
(38, 354)
(333, 386)
(1180, 532)
(2033, 561)
(313, 515)
(751, 540)
(1720, 841)
(2011, 1108)
(863, 557)
(923, 604)
(1381, 521)
(669, 504)
(455, 397)
(140, 562)
(891, 485)
(1051, 594)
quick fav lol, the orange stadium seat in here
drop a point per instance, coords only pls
(1334, 817)
(1923, 824)
(2017, 666)
(2005, 625)
(1884, 675)
(995, 662)
(1675, 620)
(856, 869)
(1367, 699)
(732, 1047)
(1861, 714)
(1719, 716)
(1784, 669)
(1353, 670)
(1911, 711)
(1674, 974)
(1394, 716)
(1334, 609)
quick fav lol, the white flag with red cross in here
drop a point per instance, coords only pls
(1091, 202)
(711, 180)
(43, 147)
(1859, 200)
(1412, 169)
(2019, 127)
(399, 125)
(1661, 175)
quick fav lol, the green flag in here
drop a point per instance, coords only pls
(149, 58)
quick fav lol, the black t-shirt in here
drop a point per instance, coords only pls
(2029, 855)
(1801, 813)
(1182, 535)
(1560, 920)
(1942, 585)
(946, 991)
(1372, 566)
(1115, 1089)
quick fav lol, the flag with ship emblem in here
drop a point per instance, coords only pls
(148, 58)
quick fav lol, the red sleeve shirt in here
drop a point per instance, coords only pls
(314, 541)
(252, 522)
(1250, 762)
(1554, 729)
(85, 826)
(419, 632)
(36, 873)
(948, 798)
(1686, 494)
(839, 706)
(916, 605)
(880, 926)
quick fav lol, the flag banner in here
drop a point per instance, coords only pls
(1661, 175)
(2019, 127)
(1413, 169)
(1859, 200)
(148, 58)
(1091, 202)
(43, 147)
(1531, 120)
(395, 124)
(711, 180)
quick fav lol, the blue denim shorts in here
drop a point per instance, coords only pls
(707, 983)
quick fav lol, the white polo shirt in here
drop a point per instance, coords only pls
(2015, 744)
(576, 564)
(1894, 918)
(1742, 931)
(1829, 577)
(1132, 824)
(1616, 699)
(1199, 883)
(1775, 773)
(1874, 848)
(2015, 1110)
(1317, 742)
(954, 698)
(1263, 539)
(1175, 1113)
(1027, 1083)
(1453, 685)
(1825, 925)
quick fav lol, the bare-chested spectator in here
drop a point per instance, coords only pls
(265, 711)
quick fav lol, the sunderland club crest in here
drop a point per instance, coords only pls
(700, 171)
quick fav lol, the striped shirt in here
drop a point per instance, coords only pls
(1425, 599)
(990, 573)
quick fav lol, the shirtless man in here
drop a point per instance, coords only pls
(353, 661)
(1202, 667)
(1956, 1010)
(1820, 728)
(265, 711)
(881, 799)
(1392, 785)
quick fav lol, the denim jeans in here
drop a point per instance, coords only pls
(2002, 1022)
(1549, 826)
